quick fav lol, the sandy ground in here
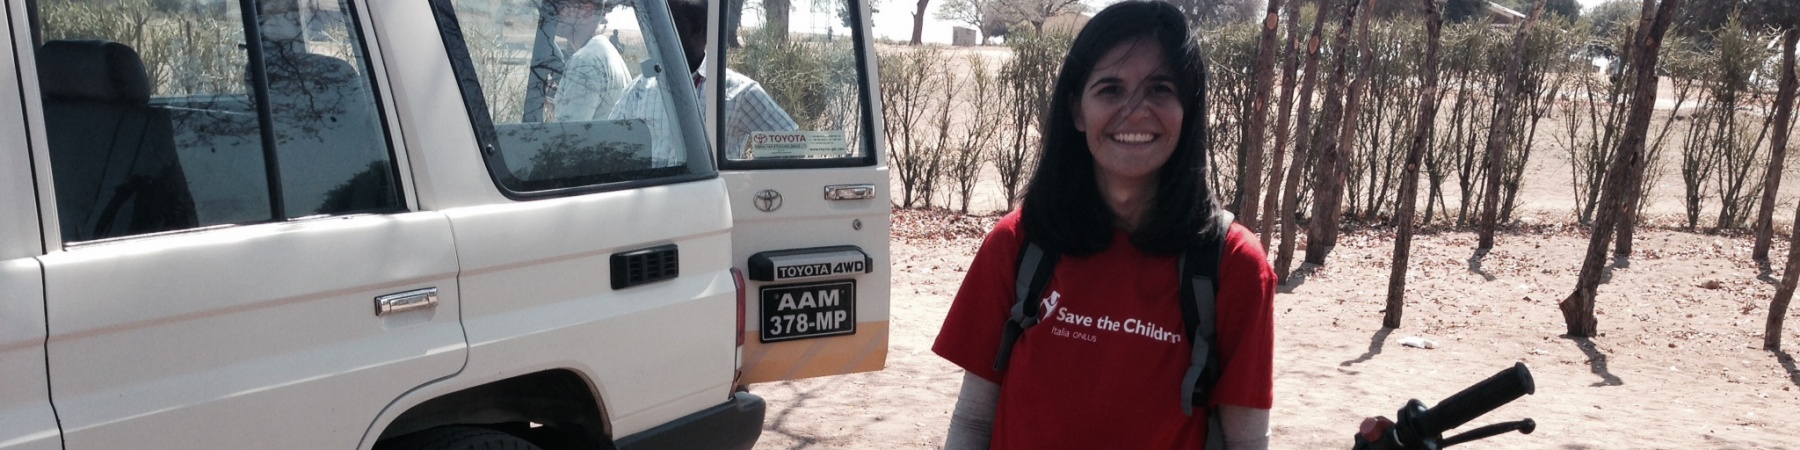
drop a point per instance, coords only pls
(1678, 363)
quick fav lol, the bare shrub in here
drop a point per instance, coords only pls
(1547, 70)
(1390, 115)
(1231, 52)
(906, 85)
(1725, 141)
(1590, 134)
(940, 153)
(1742, 53)
(971, 148)
(1026, 81)
(1466, 77)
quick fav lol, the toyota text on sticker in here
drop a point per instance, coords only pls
(797, 144)
(820, 269)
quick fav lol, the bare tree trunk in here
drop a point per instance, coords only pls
(1331, 119)
(1500, 132)
(1250, 185)
(775, 17)
(1415, 154)
(1626, 229)
(1783, 294)
(1772, 333)
(1333, 162)
(1578, 308)
(1290, 192)
(1634, 190)
(1784, 111)
(919, 23)
(1290, 61)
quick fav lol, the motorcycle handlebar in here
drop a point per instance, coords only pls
(1460, 408)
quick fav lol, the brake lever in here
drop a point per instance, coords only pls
(1523, 427)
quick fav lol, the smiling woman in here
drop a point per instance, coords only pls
(1117, 201)
(1132, 118)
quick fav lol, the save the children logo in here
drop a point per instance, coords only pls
(1087, 327)
(1050, 304)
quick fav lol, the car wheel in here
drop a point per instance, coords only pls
(457, 438)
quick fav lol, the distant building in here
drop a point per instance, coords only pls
(962, 37)
(1067, 23)
(1502, 15)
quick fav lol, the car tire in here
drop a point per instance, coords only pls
(457, 438)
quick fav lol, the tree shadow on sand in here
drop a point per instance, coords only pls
(1596, 362)
(1375, 344)
(1475, 268)
(1297, 278)
(1766, 273)
(779, 423)
(1787, 362)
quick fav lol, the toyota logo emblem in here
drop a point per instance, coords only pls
(768, 200)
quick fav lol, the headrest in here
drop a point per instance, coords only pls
(98, 71)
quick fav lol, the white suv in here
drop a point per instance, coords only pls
(360, 224)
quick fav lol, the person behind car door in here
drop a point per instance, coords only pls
(748, 108)
(594, 75)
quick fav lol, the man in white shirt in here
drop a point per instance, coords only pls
(748, 108)
(594, 74)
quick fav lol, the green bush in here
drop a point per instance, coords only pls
(814, 81)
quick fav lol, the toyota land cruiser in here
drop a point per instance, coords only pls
(361, 224)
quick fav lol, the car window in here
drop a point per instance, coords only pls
(175, 114)
(570, 95)
(793, 94)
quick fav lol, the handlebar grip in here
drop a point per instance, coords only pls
(1460, 408)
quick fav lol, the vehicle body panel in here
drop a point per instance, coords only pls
(805, 217)
(535, 287)
(26, 419)
(231, 328)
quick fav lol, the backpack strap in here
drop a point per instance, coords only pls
(1036, 266)
(1199, 290)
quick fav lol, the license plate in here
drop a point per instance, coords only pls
(799, 311)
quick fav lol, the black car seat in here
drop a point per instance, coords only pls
(112, 154)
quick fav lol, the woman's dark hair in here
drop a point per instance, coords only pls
(1063, 207)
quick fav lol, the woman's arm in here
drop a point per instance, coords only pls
(1245, 428)
(972, 424)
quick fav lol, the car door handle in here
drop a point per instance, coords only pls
(405, 301)
(850, 192)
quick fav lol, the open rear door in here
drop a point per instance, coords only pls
(795, 128)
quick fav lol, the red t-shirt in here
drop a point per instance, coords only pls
(1103, 367)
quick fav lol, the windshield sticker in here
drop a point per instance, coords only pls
(797, 145)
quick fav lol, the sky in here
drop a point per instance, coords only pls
(894, 20)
